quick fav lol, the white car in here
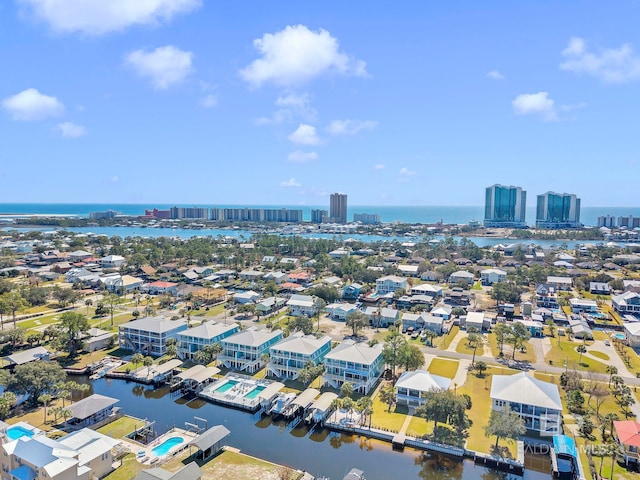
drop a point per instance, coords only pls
(607, 343)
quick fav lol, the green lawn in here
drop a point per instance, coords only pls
(121, 427)
(598, 354)
(445, 340)
(444, 367)
(391, 421)
(419, 427)
(629, 356)
(528, 356)
(564, 350)
(128, 470)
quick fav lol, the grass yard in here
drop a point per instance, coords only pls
(445, 340)
(128, 469)
(632, 359)
(598, 354)
(478, 389)
(35, 416)
(419, 427)
(444, 367)
(528, 356)
(121, 427)
(391, 421)
(564, 350)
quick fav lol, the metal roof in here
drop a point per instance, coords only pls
(306, 398)
(210, 437)
(270, 391)
(92, 404)
(324, 402)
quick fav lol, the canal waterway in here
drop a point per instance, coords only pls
(319, 452)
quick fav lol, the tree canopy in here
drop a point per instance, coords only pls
(36, 378)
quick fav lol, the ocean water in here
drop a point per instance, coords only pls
(406, 214)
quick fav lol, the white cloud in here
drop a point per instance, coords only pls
(495, 74)
(279, 116)
(302, 157)
(71, 130)
(535, 104)
(164, 66)
(296, 55)
(611, 65)
(30, 104)
(209, 101)
(350, 127)
(405, 172)
(294, 106)
(292, 182)
(305, 135)
(379, 166)
(114, 179)
(96, 17)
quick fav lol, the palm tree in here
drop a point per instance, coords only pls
(613, 450)
(346, 390)
(88, 302)
(147, 362)
(388, 396)
(611, 370)
(171, 351)
(45, 398)
(137, 359)
(365, 407)
(581, 349)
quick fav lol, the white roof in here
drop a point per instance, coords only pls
(423, 381)
(112, 258)
(208, 330)
(301, 343)
(489, 271)
(462, 274)
(29, 355)
(475, 317)
(301, 301)
(248, 294)
(351, 351)
(565, 280)
(392, 278)
(526, 389)
(632, 329)
(155, 324)
(426, 287)
(252, 337)
(442, 310)
(431, 319)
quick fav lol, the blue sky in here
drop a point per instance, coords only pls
(253, 102)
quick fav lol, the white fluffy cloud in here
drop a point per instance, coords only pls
(495, 75)
(350, 127)
(296, 55)
(302, 157)
(30, 104)
(291, 106)
(535, 104)
(305, 135)
(379, 166)
(611, 65)
(292, 182)
(96, 17)
(71, 130)
(164, 66)
(209, 101)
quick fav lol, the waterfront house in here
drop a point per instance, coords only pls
(191, 471)
(244, 350)
(190, 341)
(351, 291)
(96, 339)
(355, 363)
(628, 302)
(536, 401)
(339, 311)
(579, 305)
(412, 387)
(302, 305)
(627, 433)
(291, 354)
(632, 333)
(25, 356)
(246, 297)
(492, 275)
(390, 283)
(82, 455)
(150, 334)
(93, 412)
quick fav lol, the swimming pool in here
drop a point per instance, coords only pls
(167, 445)
(226, 386)
(254, 393)
(619, 336)
(17, 432)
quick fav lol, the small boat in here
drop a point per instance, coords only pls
(281, 402)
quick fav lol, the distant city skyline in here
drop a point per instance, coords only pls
(192, 102)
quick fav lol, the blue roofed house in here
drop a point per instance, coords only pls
(192, 340)
(290, 355)
(351, 291)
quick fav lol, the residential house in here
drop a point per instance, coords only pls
(246, 297)
(250, 275)
(411, 320)
(546, 295)
(461, 277)
(492, 275)
(627, 432)
(150, 334)
(579, 305)
(302, 305)
(93, 412)
(269, 259)
(443, 311)
(96, 339)
(162, 288)
(291, 354)
(301, 278)
(561, 283)
(430, 276)
(536, 401)
(627, 302)
(427, 289)
(382, 317)
(192, 340)
(83, 455)
(390, 283)
(476, 320)
(289, 261)
(408, 270)
(79, 256)
(111, 261)
(278, 277)
(244, 350)
(122, 284)
(269, 305)
(412, 387)
(339, 311)
(432, 322)
(632, 333)
(351, 291)
(191, 471)
(534, 327)
(355, 363)
(599, 288)
(339, 253)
